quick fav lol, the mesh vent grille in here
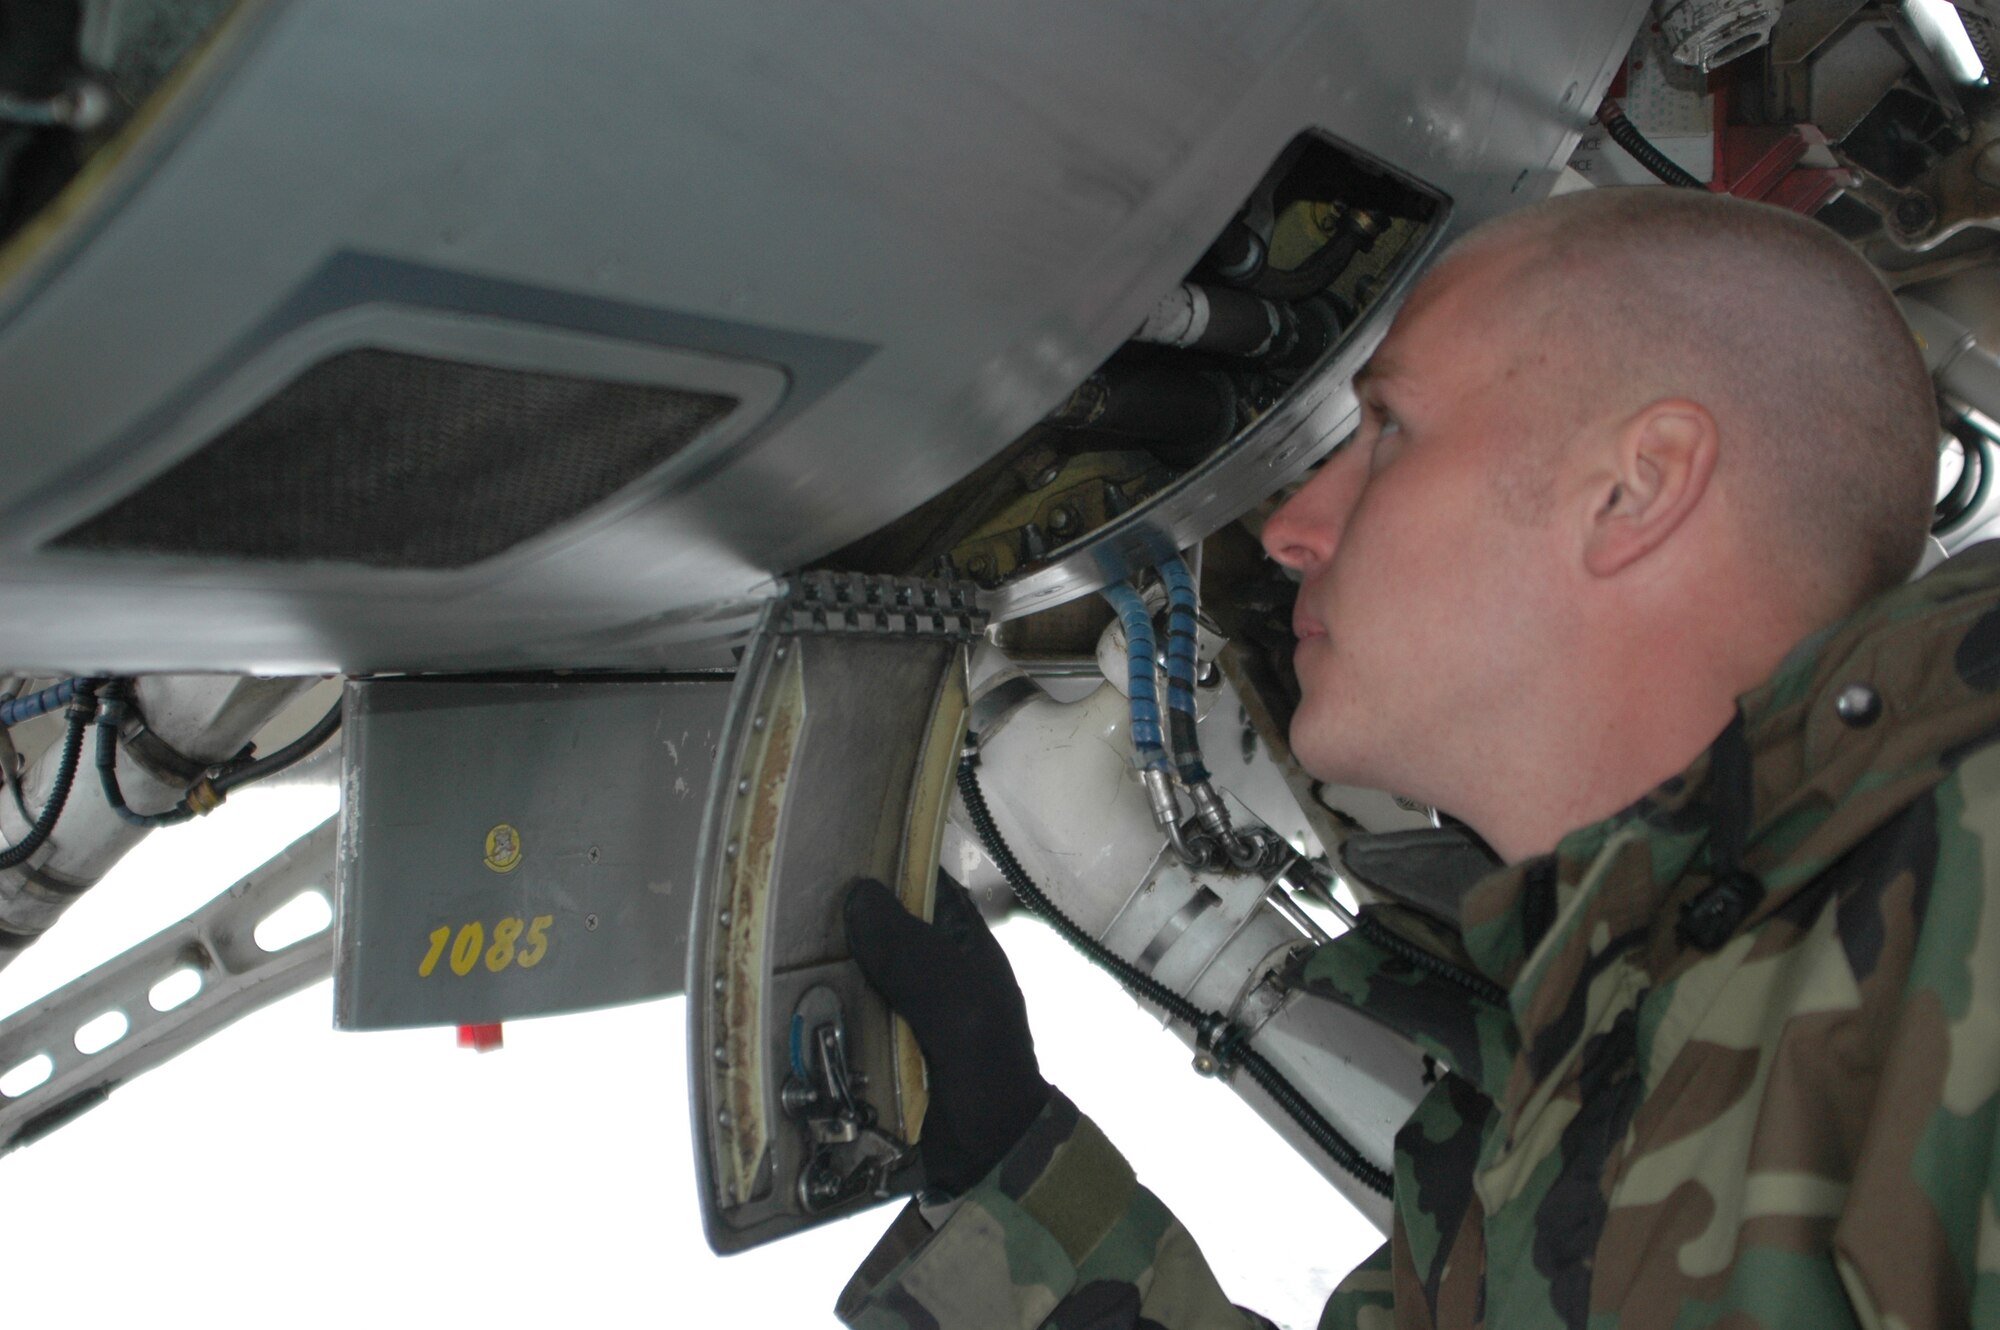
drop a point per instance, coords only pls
(403, 461)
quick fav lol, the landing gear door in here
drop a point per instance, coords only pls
(836, 762)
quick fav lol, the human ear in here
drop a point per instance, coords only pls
(1663, 457)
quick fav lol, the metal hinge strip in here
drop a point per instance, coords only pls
(866, 605)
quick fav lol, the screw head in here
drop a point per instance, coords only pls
(729, 850)
(757, 721)
(1914, 213)
(722, 1055)
(722, 1117)
(720, 986)
(743, 785)
(1858, 705)
(724, 918)
(590, 923)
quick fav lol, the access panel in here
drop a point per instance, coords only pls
(837, 761)
(518, 847)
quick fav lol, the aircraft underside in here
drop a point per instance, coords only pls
(665, 465)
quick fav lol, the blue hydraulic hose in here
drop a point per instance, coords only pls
(16, 710)
(1180, 670)
(1147, 740)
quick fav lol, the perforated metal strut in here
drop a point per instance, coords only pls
(217, 943)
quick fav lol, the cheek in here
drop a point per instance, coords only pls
(1423, 582)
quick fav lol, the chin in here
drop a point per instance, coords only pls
(1316, 745)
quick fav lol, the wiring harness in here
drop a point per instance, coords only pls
(108, 703)
(205, 795)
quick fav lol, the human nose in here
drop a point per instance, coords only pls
(1305, 530)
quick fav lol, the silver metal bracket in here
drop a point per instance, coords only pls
(217, 945)
(850, 1157)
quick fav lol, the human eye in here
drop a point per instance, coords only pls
(1382, 432)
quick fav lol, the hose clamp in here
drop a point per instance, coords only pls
(1218, 1042)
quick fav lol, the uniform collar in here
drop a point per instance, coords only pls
(1812, 783)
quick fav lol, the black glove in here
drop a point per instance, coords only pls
(951, 982)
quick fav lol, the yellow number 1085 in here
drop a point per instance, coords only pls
(471, 939)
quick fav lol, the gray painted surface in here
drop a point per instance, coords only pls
(989, 197)
(601, 783)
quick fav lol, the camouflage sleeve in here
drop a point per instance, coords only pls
(1366, 1299)
(1060, 1234)
(1918, 1242)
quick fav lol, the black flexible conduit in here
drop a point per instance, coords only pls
(116, 698)
(207, 794)
(1213, 1031)
(82, 706)
(1388, 939)
(1379, 933)
(290, 755)
(1627, 136)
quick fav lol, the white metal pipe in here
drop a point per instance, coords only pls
(1060, 782)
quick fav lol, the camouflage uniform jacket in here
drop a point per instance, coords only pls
(1748, 1070)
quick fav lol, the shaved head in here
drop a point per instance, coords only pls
(1770, 321)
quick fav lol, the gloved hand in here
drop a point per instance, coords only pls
(951, 982)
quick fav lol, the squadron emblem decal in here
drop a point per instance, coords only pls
(503, 848)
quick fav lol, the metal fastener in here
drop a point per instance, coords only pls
(722, 1116)
(729, 850)
(781, 652)
(757, 721)
(1858, 705)
(743, 785)
(720, 985)
(722, 1054)
(590, 923)
(724, 918)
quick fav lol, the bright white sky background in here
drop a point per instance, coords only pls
(282, 1174)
